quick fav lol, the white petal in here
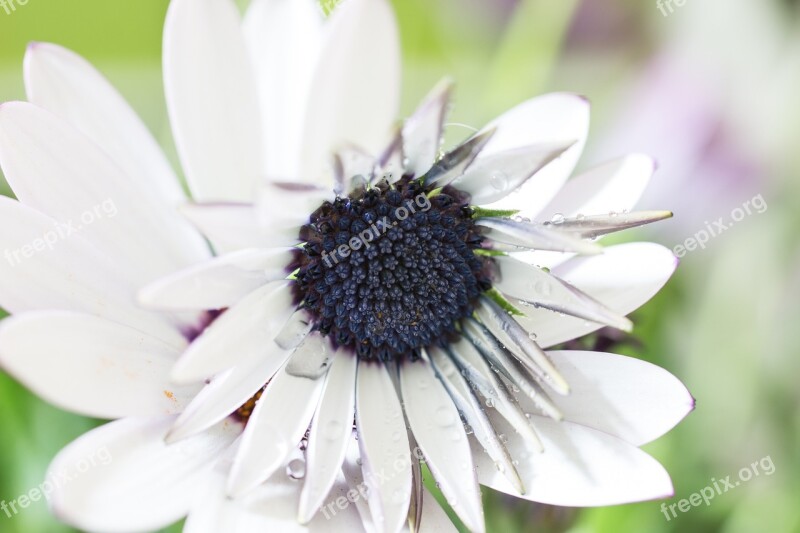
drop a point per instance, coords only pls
(383, 440)
(244, 331)
(232, 227)
(623, 278)
(542, 289)
(513, 336)
(357, 82)
(440, 435)
(46, 269)
(434, 519)
(278, 422)
(283, 38)
(218, 283)
(485, 377)
(581, 467)
(423, 131)
(557, 117)
(631, 399)
(353, 168)
(54, 168)
(495, 176)
(474, 413)
(114, 371)
(227, 392)
(64, 83)
(212, 100)
(353, 473)
(533, 236)
(615, 186)
(122, 476)
(329, 435)
(284, 206)
(271, 507)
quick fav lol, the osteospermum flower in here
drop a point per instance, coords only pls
(359, 318)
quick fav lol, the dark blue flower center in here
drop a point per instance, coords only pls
(391, 269)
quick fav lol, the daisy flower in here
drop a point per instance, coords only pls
(372, 303)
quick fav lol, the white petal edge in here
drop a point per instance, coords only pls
(631, 399)
(623, 278)
(580, 467)
(615, 186)
(211, 99)
(269, 507)
(237, 226)
(555, 117)
(113, 370)
(124, 478)
(244, 331)
(56, 169)
(226, 393)
(423, 132)
(283, 39)
(61, 81)
(437, 427)
(66, 272)
(359, 69)
(384, 446)
(220, 282)
(278, 423)
(329, 435)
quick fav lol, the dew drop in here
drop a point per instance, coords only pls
(499, 180)
(558, 218)
(296, 469)
(444, 416)
(532, 336)
(489, 402)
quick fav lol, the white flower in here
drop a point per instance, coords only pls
(406, 331)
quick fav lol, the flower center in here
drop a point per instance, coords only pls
(390, 269)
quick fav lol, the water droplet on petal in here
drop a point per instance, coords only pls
(445, 416)
(499, 180)
(296, 469)
(558, 218)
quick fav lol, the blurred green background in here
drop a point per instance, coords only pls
(710, 88)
